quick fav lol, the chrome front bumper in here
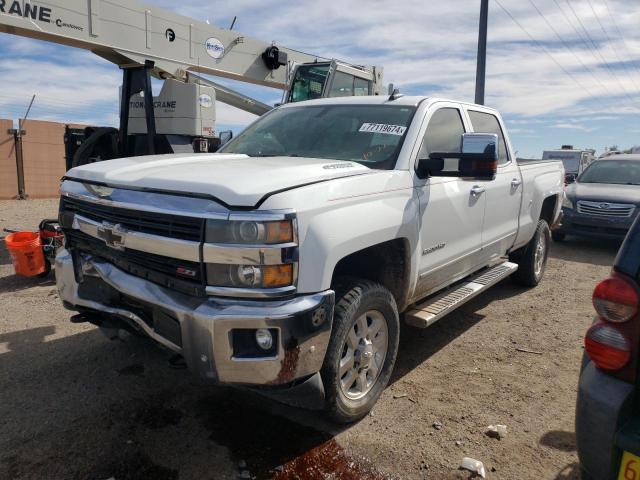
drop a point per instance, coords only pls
(205, 327)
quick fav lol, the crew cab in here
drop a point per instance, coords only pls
(284, 262)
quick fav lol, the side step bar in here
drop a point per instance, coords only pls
(433, 309)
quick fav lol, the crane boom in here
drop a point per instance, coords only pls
(127, 32)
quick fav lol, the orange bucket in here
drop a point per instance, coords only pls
(25, 249)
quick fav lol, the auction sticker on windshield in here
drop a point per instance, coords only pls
(383, 128)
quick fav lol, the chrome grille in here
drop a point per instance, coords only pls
(606, 209)
(165, 225)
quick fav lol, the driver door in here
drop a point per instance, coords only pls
(451, 214)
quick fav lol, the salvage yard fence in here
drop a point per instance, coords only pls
(43, 158)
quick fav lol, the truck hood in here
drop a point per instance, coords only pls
(235, 180)
(602, 192)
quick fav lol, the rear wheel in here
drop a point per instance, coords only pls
(362, 350)
(532, 258)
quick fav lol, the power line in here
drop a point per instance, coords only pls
(610, 43)
(566, 45)
(595, 48)
(624, 40)
(545, 50)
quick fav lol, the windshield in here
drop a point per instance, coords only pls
(570, 160)
(308, 82)
(368, 134)
(617, 172)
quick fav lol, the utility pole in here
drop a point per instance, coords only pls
(18, 133)
(482, 52)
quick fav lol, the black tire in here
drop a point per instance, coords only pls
(558, 236)
(102, 144)
(354, 298)
(525, 257)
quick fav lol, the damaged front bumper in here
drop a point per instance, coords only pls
(216, 336)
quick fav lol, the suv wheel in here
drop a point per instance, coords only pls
(532, 258)
(362, 350)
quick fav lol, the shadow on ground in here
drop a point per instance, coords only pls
(586, 250)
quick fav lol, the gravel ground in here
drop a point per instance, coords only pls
(74, 405)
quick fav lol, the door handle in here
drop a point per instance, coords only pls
(477, 190)
(515, 183)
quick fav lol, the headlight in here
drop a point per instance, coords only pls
(566, 203)
(249, 232)
(251, 253)
(250, 276)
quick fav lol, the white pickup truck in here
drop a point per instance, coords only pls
(285, 262)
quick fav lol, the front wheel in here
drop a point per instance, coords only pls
(362, 350)
(532, 258)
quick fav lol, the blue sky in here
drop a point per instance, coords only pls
(556, 83)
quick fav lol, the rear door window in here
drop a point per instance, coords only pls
(487, 123)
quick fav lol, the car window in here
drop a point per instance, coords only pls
(616, 172)
(443, 135)
(488, 123)
(360, 87)
(342, 85)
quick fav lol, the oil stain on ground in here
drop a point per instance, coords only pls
(275, 447)
(133, 465)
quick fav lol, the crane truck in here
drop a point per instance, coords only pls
(145, 41)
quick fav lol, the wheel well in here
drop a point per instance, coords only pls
(386, 263)
(548, 209)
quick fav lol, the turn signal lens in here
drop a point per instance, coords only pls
(566, 203)
(249, 276)
(277, 275)
(607, 347)
(615, 299)
(279, 232)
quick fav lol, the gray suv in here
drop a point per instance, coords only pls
(604, 200)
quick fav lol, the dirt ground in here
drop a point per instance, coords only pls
(74, 405)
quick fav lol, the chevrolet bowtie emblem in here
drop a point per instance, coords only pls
(113, 235)
(604, 206)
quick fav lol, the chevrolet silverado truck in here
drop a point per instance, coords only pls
(285, 262)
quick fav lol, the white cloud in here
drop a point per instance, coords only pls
(574, 126)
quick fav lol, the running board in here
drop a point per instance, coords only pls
(432, 310)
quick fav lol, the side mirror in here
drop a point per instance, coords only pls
(478, 158)
(430, 167)
(225, 136)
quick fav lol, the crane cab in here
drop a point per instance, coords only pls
(333, 79)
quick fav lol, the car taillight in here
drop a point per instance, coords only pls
(612, 342)
(615, 299)
(607, 347)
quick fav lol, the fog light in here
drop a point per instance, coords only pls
(264, 339)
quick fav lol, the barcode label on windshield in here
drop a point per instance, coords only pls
(383, 128)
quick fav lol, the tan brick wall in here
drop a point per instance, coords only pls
(8, 175)
(43, 153)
